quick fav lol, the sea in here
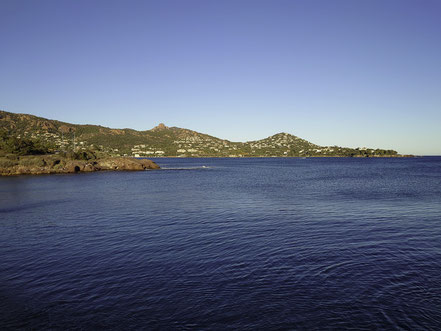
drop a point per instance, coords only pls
(225, 244)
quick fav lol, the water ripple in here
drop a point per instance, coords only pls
(241, 244)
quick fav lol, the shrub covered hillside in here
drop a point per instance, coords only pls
(10, 144)
(30, 134)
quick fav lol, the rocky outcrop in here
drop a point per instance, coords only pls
(125, 163)
(52, 164)
(160, 126)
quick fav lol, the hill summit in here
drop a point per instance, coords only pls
(160, 126)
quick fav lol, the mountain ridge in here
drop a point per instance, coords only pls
(162, 140)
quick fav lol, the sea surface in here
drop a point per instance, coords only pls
(215, 244)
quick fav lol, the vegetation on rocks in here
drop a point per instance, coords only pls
(21, 155)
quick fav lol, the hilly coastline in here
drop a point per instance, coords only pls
(165, 141)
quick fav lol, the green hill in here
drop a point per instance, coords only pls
(162, 140)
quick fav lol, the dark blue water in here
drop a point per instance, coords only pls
(315, 243)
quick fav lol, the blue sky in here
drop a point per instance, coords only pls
(350, 73)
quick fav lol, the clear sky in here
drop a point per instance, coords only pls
(350, 73)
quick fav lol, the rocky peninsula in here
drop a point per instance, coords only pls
(56, 164)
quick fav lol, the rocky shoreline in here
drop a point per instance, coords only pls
(54, 164)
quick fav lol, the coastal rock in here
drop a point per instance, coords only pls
(89, 167)
(148, 164)
(50, 164)
(74, 166)
(126, 163)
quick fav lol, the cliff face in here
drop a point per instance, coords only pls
(53, 164)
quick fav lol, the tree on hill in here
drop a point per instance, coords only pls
(23, 146)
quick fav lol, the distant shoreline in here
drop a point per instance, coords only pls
(164, 141)
(285, 157)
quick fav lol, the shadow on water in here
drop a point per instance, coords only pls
(187, 168)
(20, 312)
(32, 205)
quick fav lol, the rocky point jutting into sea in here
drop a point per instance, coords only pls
(56, 164)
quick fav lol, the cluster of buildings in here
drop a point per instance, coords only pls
(65, 142)
(61, 142)
(197, 145)
(145, 150)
